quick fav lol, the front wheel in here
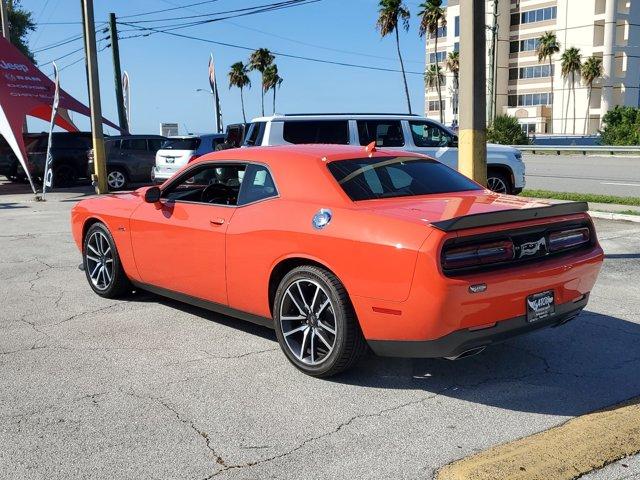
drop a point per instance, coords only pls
(315, 322)
(102, 263)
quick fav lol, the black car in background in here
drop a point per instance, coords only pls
(10, 166)
(130, 159)
(68, 156)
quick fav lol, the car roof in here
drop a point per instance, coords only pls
(337, 116)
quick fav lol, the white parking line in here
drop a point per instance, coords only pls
(622, 184)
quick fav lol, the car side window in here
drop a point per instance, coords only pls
(215, 184)
(134, 144)
(257, 184)
(316, 131)
(255, 134)
(386, 133)
(154, 144)
(427, 134)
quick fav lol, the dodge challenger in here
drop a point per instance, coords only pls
(342, 249)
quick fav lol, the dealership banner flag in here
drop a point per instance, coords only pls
(48, 172)
(26, 91)
(126, 96)
(214, 90)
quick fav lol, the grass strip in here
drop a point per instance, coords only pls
(582, 197)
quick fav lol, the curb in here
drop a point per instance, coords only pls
(615, 216)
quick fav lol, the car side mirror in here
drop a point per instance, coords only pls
(152, 195)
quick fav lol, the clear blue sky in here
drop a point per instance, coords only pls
(165, 71)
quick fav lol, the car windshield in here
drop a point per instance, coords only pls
(371, 178)
(190, 143)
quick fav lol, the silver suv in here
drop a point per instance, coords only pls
(505, 169)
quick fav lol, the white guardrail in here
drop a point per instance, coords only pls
(584, 149)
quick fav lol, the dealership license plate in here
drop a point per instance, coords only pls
(540, 305)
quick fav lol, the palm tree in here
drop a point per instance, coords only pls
(433, 76)
(260, 60)
(571, 64)
(238, 77)
(453, 65)
(547, 48)
(271, 80)
(390, 12)
(432, 17)
(591, 71)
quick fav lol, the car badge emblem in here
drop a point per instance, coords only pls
(531, 248)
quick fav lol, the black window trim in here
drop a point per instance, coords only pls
(400, 123)
(186, 172)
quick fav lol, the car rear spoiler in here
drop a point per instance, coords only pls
(508, 216)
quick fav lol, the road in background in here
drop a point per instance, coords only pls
(607, 175)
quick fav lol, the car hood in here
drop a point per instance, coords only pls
(428, 209)
(504, 149)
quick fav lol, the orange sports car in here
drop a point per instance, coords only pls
(339, 248)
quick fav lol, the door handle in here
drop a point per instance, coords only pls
(217, 221)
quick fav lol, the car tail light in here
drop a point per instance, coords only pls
(193, 157)
(478, 254)
(565, 239)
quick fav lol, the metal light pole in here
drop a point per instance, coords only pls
(100, 175)
(472, 159)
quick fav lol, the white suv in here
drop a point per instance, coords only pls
(505, 169)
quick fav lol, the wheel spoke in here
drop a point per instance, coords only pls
(107, 250)
(313, 346)
(322, 307)
(327, 344)
(292, 319)
(326, 327)
(106, 272)
(295, 330)
(302, 295)
(315, 297)
(93, 259)
(302, 312)
(93, 275)
(305, 335)
(92, 249)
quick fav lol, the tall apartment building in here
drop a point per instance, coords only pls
(609, 29)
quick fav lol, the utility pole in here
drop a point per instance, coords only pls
(5, 19)
(117, 76)
(99, 160)
(472, 157)
(492, 65)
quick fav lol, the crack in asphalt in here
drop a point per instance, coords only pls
(337, 429)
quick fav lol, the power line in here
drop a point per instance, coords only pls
(180, 7)
(286, 55)
(258, 8)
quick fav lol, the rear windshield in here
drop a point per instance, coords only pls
(371, 178)
(181, 144)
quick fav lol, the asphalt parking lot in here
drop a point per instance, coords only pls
(149, 388)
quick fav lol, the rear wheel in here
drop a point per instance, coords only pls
(315, 322)
(102, 263)
(116, 178)
(498, 182)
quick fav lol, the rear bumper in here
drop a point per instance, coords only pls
(459, 341)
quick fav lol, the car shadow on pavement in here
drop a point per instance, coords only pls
(587, 364)
(11, 205)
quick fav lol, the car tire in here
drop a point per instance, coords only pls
(327, 339)
(498, 182)
(117, 178)
(102, 265)
(64, 176)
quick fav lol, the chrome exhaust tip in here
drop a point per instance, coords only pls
(467, 353)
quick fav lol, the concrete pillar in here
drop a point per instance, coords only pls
(608, 56)
(472, 160)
